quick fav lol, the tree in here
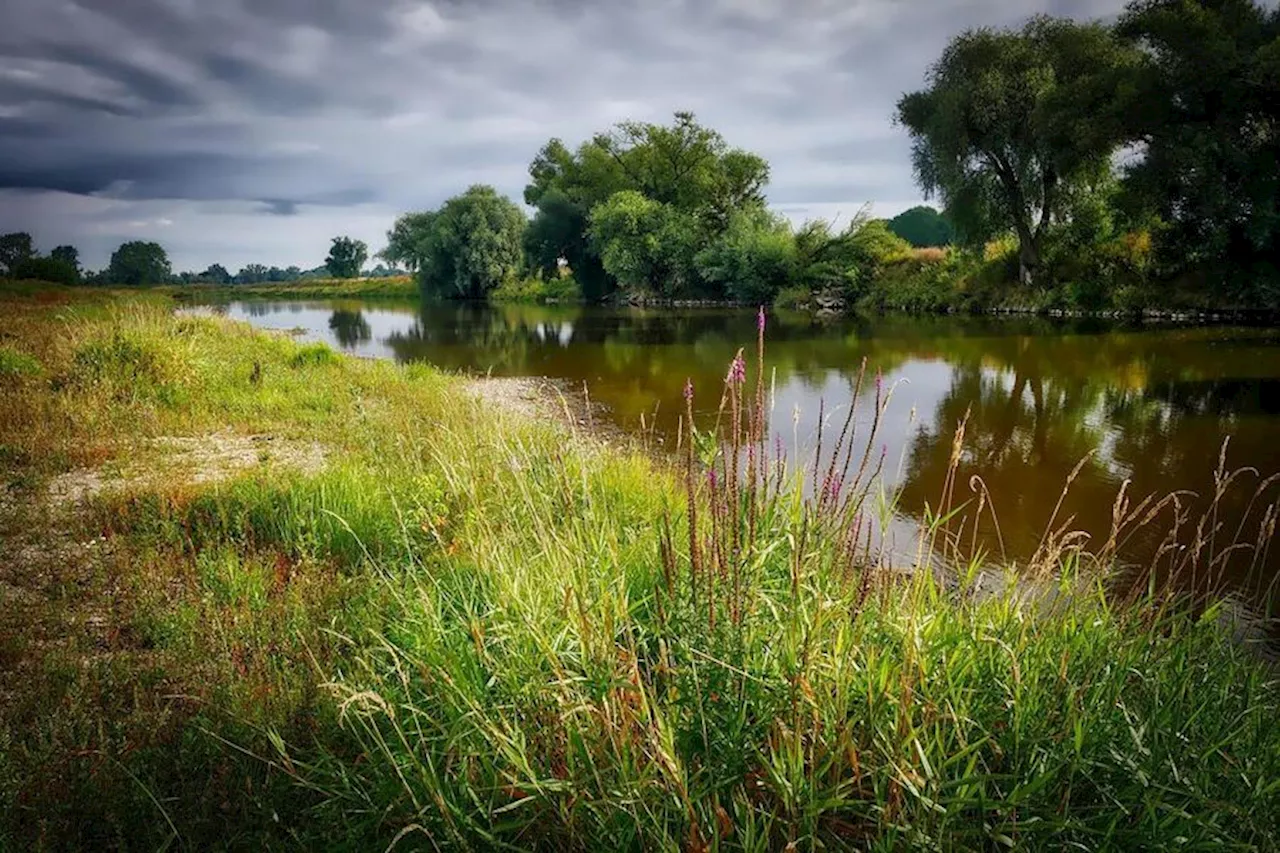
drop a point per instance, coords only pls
(216, 274)
(346, 257)
(687, 168)
(407, 240)
(256, 274)
(564, 187)
(631, 233)
(138, 262)
(1204, 114)
(1004, 128)
(69, 255)
(753, 259)
(475, 241)
(922, 227)
(14, 249)
(49, 269)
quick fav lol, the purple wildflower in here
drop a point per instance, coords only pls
(688, 389)
(711, 478)
(737, 370)
(760, 320)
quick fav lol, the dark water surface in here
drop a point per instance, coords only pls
(1151, 404)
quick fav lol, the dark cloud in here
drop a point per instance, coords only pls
(280, 206)
(151, 87)
(253, 130)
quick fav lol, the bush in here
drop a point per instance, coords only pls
(538, 289)
(752, 260)
(47, 269)
(122, 358)
(793, 298)
(313, 355)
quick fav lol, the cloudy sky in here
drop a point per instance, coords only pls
(251, 131)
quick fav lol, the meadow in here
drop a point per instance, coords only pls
(258, 595)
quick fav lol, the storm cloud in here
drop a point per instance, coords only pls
(251, 131)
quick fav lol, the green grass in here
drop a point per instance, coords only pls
(399, 287)
(538, 289)
(15, 364)
(467, 632)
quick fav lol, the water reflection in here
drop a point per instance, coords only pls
(1152, 405)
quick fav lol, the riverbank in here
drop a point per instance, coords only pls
(401, 287)
(257, 594)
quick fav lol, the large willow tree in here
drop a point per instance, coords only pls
(1013, 123)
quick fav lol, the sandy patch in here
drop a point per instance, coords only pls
(190, 459)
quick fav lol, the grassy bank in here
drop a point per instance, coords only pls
(399, 287)
(257, 594)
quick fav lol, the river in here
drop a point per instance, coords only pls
(1150, 404)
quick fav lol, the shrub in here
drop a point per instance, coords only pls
(792, 298)
(47, 269)
(121, 358)
(538, 289)
(313, 355)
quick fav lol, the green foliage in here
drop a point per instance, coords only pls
(753, 259)
(257, 273)
(346, 257)
(1011, 122)
(793, 298)
(538, 290)
(312, 355)
(846, 264)
(68, 255)
(470, 245)
(16, 364)
(48, 269)
(922, 227)
(215, 274)
(644, 244)
(690, 178)
(408, 241)
(15, 248)
(139, 263)
(1204, 110)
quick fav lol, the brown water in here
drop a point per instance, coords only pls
(1149, 404)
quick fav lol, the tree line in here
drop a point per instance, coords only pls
(1076, 163)
(140, 262)
(1081, 163)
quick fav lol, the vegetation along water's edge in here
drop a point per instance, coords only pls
(257, 594)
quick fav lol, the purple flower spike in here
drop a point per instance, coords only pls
(737, 370)
(884, 450)
(688, 389)
(711, 477)
(760, 320)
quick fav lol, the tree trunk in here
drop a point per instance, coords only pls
(1028, 256)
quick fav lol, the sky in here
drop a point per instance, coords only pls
(253, 131)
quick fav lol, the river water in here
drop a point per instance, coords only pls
(1149, 404)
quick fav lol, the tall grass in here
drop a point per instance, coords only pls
(765, 680)
(474, 632)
